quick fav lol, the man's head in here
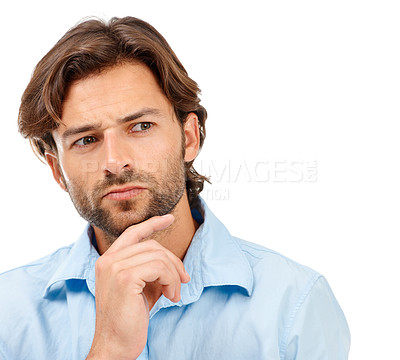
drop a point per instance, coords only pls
(90, 48)
(119, 121)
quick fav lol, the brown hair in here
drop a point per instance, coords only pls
(91, 47)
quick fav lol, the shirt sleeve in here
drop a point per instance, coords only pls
(2, 354)
(318, 327)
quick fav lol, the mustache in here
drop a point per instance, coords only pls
(128, 176)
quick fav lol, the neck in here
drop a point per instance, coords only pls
(178, 236)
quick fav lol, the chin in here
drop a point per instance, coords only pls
(133, 218)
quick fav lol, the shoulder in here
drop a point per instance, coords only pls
(25, 309)
(279, 283)
(40, 269)
(305, 305)
(24, 285)
(269, 265)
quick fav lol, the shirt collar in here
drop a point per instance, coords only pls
(214, 258)
(78, 264)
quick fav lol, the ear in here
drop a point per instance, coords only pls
(192, 137)
(52, 160)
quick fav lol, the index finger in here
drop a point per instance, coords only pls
(135, 233)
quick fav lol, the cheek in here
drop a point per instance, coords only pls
(82, 172)
(159, 156)
(152, 164)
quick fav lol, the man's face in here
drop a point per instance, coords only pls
(120, 149)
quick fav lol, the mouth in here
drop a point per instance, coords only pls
(124, 193)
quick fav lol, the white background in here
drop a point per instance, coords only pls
(288, 85)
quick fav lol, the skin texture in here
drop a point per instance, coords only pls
(120, 156)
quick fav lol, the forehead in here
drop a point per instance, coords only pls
(113, 94)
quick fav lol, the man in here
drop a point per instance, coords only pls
(155, 275)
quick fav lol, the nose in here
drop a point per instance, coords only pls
(116, 154)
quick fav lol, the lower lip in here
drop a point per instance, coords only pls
(124, 195)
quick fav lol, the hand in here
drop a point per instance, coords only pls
(122, 312)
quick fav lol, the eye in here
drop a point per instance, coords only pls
(143, 126)
(85, 141)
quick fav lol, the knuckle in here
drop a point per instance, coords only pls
(160, 254)
(123, 277)
(177, 279)
(103, 263)
(159, 266)
(114, 268)
(100, 264)
(153, 244)
(182, 268)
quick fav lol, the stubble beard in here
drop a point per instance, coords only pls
(160, 197)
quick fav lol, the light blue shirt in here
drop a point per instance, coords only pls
(243, 302)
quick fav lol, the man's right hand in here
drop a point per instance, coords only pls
(122, 311)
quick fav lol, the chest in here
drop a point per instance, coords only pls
(218, 326)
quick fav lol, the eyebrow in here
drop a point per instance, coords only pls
(91, 127)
